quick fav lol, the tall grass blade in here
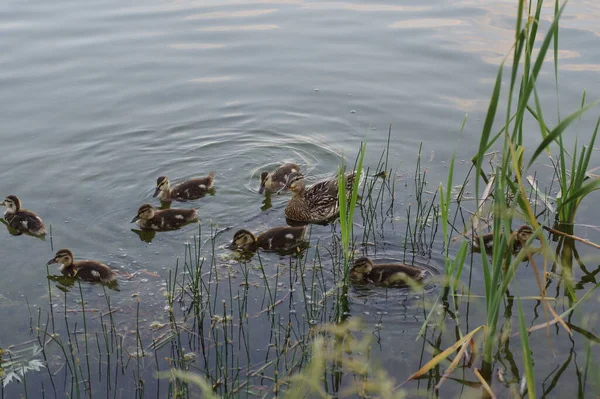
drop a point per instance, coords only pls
(558, 130)
(527, 360)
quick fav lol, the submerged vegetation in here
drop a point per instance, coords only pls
(290, 326)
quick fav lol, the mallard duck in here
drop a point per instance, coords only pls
(282, 238)
(384, 274)
(316, 204)
(87, 270)
(275, 180)
(22, 219)
(518, 237)
(184, 191)
(167, 219)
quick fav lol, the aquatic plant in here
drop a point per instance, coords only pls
(505, 197)
(14, 364)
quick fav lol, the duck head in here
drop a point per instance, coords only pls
(294, 183)
(243, 239)
(145, 212)
(12, 203)
(64, 257)
(162, 184)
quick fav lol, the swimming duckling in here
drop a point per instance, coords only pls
(281, 239)
(87, 270)
(518, 237)
(167, 219)
(184, 191)
(317, 204)
(22, 219)
(275, 180)
(384, 274)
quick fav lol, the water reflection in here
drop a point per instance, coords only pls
(66, 283)
(266, 203)
(231, 14)
(238, 28)
(426, 23)
(145, 235)
(212, 79)
(196, 46)
(16, 232)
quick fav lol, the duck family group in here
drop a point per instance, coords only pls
(316, 204)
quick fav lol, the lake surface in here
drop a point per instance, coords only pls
(100, 98)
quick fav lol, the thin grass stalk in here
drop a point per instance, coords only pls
(527, 358)
(87, 350)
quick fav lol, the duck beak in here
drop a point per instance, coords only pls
(51, 261)
(261, 189)
(231, 246)
(135, 219)
(156, 192)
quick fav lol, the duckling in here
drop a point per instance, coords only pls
(317, 204)
(87, 270)
(518, 238)
(167, 219)
(275, 180)
(184, 191)
(22, 219)
(385, 275)
(282, 239)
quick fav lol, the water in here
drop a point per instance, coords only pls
(100, 98)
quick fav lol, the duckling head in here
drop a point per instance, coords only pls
(162, 184)
(243, 239)
(64, 257)
(12, 203)
(264, 176)
(294, 183)
(145, 212)
(363, 265)
(524, 233)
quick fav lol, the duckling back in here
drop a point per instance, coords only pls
(391, 275)
(276, 179)
(193, 189)
(169, 219)
(25, 221)
(93, 271)
(281, 238)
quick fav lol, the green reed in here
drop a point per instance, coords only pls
(347, 208)
(527, 358)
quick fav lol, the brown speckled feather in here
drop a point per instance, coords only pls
(169, 219)
(383, 273)
(388, 275)
(192, 189)
(280, 238)
(488, 240)
(89, 270)
(277, 178)
(317, 203)
(26, 221)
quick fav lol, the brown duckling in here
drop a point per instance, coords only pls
(384, 274)
(316, 204)
(87, 270)
(166, 219)
(22, 219)
(184, 191)
(275, 180)
(518, 237)
(281, 239)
